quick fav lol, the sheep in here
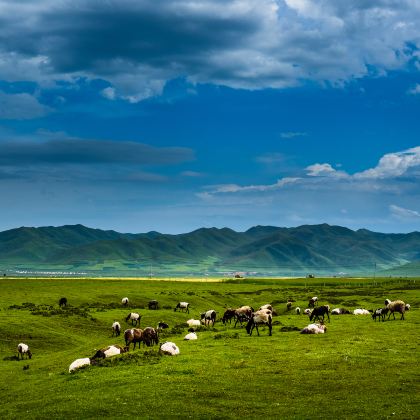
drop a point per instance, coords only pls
(396, 306)
(116, 329)
(259, 318)
(109, 351)
(407, 307)
(289, 306)
(208, 317)
(320, 311)
(379, 313)
(297, 310)
(133, 336)
(228, 315)
(339, 311)
(191, 336)
(153, 304)
(150, 336)
(162, 326)
(135, 318)
(24, 349)
(125, 301)
(193, 323)
(182, 306)
(387, 302)
(267, 306)
(78, 363)
(169, 348)
(361, 312)
(62, 302)
(243, 314)
(313, 302)
(315, 329)
(307, 311)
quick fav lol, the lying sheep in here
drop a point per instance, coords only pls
(24, 349)
(193, 323)
(396, 306)
(109, 351)
(314, 329)
(339, 311)
(191, 336)
(78, 363)
(169, 348)
(361, 312)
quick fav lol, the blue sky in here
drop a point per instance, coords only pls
(173, 115)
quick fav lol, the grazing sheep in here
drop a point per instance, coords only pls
(193, 323)
(259, 318)
(135, 318)
(307, 311)
(191, 336)
(125, 301)
(243, 314)
(169, 348)
(24, 349)
(182, 306)
(133, 336)
(228, 315)
(339, 311)
(78, 363)
(320, 311)
(150, 336)
(208, 317)
(407, 307)
(109, 351)
(297, 310)
(396, 306)
(162, 326)
(379, 313)
(116, 329)
(62, 302)
(267, 306)
(361, 312)
(153, 304)
(313, 302)
(315, 329)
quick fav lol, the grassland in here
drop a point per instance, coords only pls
(358, 369)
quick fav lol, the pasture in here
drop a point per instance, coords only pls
(358, 369)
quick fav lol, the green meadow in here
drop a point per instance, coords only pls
(358, 369)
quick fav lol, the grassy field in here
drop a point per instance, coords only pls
(358, 369)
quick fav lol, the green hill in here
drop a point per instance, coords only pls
(263, 249)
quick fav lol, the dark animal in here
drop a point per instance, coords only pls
(259, 318)
(162, 325)
(183, 306)
(228, 315)
(150, 336)
(320, 311)
(62, 302)
(379, 313)
(133, 336)
(209, 317)
(153, 304)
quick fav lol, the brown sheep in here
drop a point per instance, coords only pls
(133, 336)
(150, 336)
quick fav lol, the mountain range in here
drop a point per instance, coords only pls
(262, 250)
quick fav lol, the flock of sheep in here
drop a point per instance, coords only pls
(149, 336)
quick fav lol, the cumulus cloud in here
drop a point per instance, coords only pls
(324, 170)
(403, 213)
(21, 106)
(252, 44)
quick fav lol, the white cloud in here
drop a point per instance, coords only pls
(109, 93)
(414, 90)
(403, 213)
(292, 134)
(324, 170)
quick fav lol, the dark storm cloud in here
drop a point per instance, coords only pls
(75, 151)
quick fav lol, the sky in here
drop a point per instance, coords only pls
(174, 115)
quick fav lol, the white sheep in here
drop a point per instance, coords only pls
(116, 329)
(125, 301)
(314, 329)
(169, 348)
(361, 312)
(193, 323)
(78, 363)
(297, 310)
(307, 311)
(191, 336)
(24, 349)
(267, 306)
(396, 306)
